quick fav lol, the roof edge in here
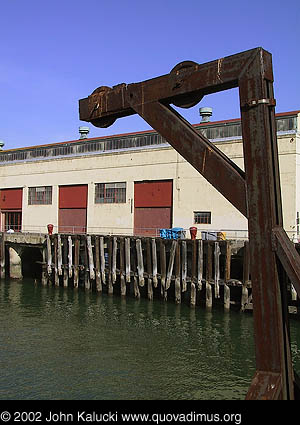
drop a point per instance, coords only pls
(210, 123)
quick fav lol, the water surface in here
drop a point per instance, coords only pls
(57, 343)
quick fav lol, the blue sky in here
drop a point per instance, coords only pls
(53, 53)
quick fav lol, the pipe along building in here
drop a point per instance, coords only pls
(134, 185)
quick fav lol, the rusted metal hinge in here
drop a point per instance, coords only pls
(255, 102)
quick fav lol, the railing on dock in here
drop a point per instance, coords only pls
(231, 234)
(120, 231)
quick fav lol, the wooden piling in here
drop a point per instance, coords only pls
(122, 269)
(246, 275)
(149, 270)
(140, 264)
(193, 295)
(293, 293)
(227, 276)
(65, 277)
(97, 261)
(102, 259)
(87, 283)
(177, 275)
(49, 255)
(184, 266)
(110, 253)
(2, 256)
(182, 262)
(162, 252)
(200, 264)
(171, 264)
(59, 255)
(114, 261)
(56, 276)
(136, 290)
(90, 257)
(127, 259)
(76, 261)
(44, 273)
(70, 256)
(208, 276)
(193, 277)
(65, 260)
(154, 262)
(217, 253)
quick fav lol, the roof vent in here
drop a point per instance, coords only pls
(205, 113)
(83, 131)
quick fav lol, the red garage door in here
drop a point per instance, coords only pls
(72, 208)
(72, 220)
(152, 206)
(11, 209)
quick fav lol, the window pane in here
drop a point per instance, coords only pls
(202, 217)
(40, 195)
(110, 193)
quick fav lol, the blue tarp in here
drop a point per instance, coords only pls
(174, 233)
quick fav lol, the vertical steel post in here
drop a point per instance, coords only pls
(265, 212)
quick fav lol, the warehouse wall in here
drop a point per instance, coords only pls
(191, 192)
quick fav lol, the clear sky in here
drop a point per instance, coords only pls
(55, 52)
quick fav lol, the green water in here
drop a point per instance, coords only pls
(60, 344)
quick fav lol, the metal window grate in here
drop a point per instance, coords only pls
(40, 195)
(221, 131)
(202, 217)
(13, 221)
(110, 193)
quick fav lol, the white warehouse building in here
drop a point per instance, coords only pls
(135, 184)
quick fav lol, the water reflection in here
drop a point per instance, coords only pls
(61, 343)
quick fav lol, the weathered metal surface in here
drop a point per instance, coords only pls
(73, 196)
(255, 193)
(148, 220)
(11, 199)
(201, 79)
(265, 386)
(156, 193)
(288, 256)
(72, 220)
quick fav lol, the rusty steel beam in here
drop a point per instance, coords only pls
(256, 193)
(263, 190)
(265, 386)
(288, 256)
(206, 158)
(186, 80)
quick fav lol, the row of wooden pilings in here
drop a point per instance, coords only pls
(190, 271)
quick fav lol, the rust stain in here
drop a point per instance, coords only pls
(204, 160)
(220, 62)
